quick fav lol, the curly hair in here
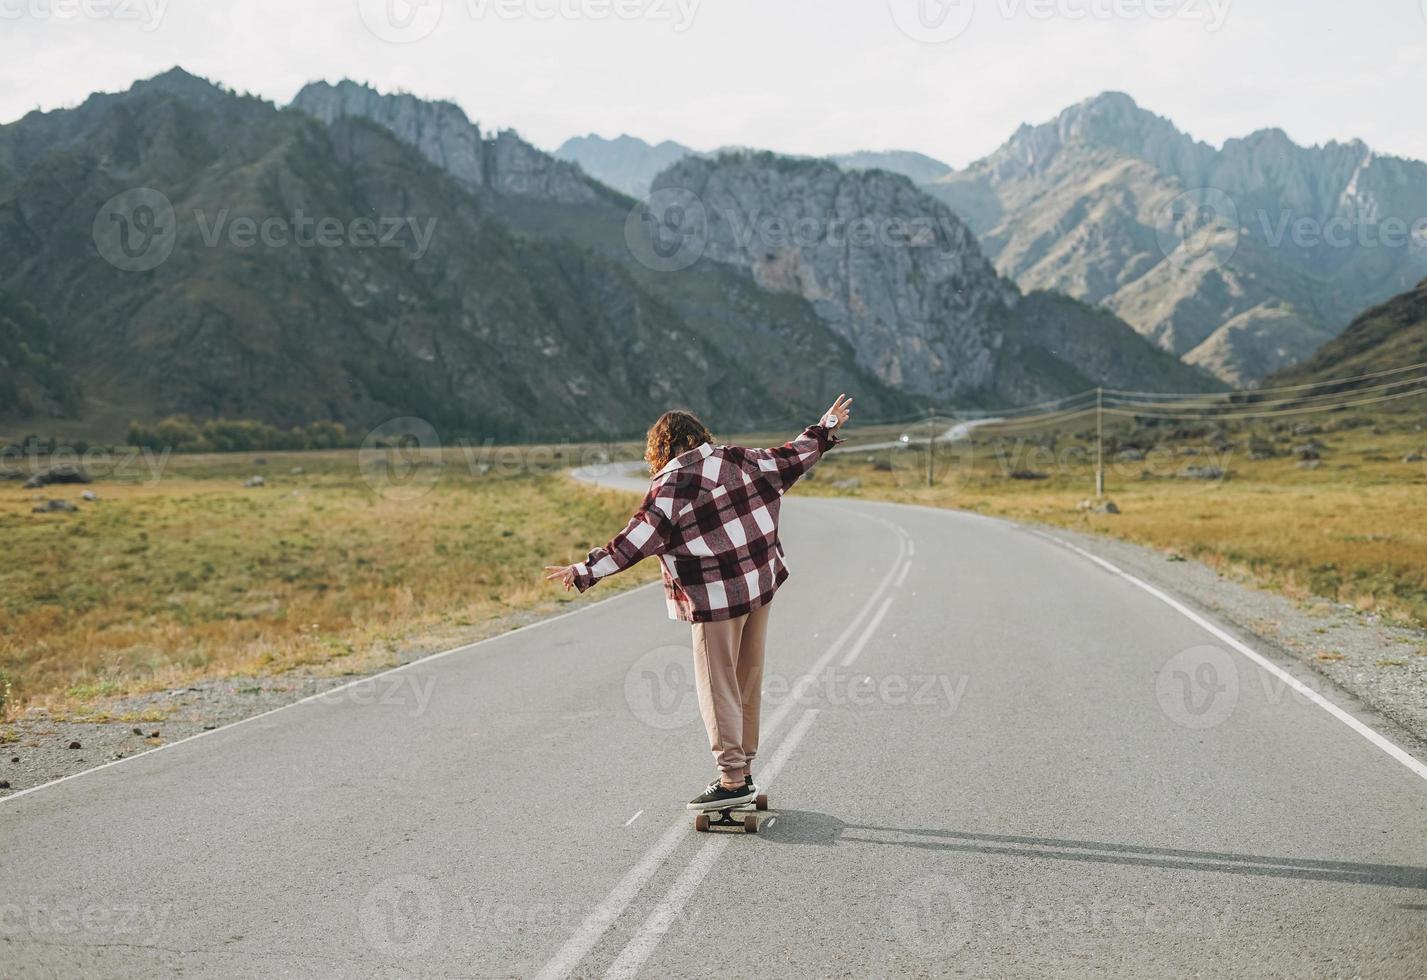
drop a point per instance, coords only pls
(674, 433)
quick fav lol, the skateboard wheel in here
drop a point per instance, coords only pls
(701, 822)
(761, 801)
(750, 824)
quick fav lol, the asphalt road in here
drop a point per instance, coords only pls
(988, 755)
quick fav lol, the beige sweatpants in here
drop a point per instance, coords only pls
(728, 675)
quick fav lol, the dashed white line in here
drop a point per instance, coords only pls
(639, 948)
(598, 922)
(903, 577)
(634, 818)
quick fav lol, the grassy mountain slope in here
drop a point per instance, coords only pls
(1390, 335)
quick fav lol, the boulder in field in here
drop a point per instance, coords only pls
(254, 481)
(1201, 473)
(54, 507)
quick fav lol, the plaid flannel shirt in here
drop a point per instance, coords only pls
(711, 516)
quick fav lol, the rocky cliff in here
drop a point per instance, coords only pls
(1201, 249)
(503, 163)
(898, 276)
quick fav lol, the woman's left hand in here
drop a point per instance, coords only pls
(565, 573)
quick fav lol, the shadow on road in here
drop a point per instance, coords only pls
(821, 829)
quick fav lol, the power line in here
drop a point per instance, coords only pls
(1230, 417)
(1258, 391)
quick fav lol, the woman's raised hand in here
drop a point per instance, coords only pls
(841, 409)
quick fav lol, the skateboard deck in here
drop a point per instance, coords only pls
(748, 822)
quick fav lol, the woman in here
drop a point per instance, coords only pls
(711, 515)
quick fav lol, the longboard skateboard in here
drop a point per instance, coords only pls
(749, 821)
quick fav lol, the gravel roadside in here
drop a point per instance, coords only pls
(39, 747)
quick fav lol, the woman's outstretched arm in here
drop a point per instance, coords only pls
(646, 535)
(784, 465)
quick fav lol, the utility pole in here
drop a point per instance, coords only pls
(1099, 443)
(931, 441)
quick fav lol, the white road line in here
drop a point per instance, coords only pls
(634, 818)
(778, 717)
(867, 633)
(321, 695)
(568, 956)
(598, 922)
(1381, 741)
(663, 915)
(903, 577)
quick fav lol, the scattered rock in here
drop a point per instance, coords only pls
(139, 732)
(90, 496)
(882, 466)
(1201, 473)
(1413, 458)
(1306, 429)
(154, 733)
(1313, 449)
(298, 471)
(6, 473)
(1029, 475)
(209, 728)
(54, 506)
(4, 784)
(260, 461)
(1310, 464)
(75, 745)
(1103, 507)
(1175, 556)
(58, 474)
(852, 484)
(1130, 456)
(254, 481)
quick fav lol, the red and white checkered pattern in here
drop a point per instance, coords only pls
(711, 515)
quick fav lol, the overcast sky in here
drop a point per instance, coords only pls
(951, 78)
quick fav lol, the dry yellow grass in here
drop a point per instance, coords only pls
(196, 575)
(1353, 530)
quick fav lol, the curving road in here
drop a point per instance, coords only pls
(988, 754)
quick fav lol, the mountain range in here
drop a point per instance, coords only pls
(1242, 260)
(511, 299)
(630, 164)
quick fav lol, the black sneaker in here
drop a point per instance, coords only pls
(747, 781)
(717, 797)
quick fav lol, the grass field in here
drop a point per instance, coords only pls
(179, 571)
(194, 574)
(1351, 528)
